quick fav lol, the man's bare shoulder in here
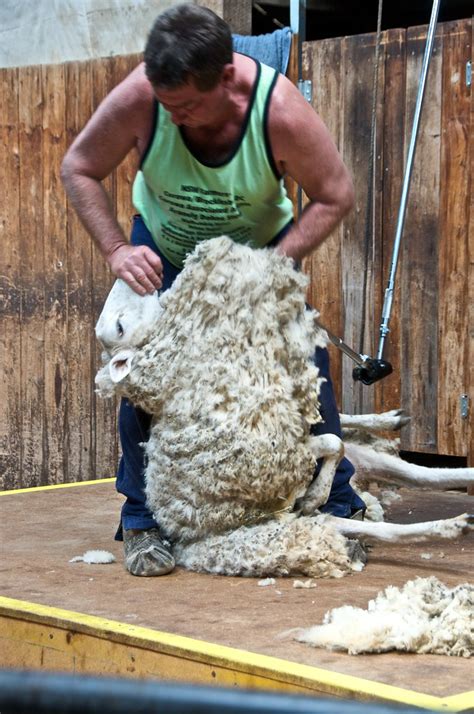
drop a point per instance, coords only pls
(125, 115)
(122, 122)
(289, 111)
(133, 94)
(301, 143)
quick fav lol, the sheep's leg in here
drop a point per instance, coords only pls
(386, 421)
(404, 533)
(331, 449)
(287, 546)
(373, 465)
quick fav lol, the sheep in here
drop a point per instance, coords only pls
(223, 364)
(424, 616)
(377, 460)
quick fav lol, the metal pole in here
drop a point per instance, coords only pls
(387, 306)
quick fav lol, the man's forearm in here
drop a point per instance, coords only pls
(315, 224)
(93, 207)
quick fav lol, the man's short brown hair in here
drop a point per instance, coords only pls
(187, 42)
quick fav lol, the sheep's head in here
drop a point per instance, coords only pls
(127, 319)
(126, 323)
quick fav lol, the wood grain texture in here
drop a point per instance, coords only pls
(104, 429)
(470, 304)
(237, 13)
(79, 266)
(322, 64)
(429, 338)
(392, 128)
(30, 241)
(358, 59)
(53, 281)
(453, 325)
(10, 296)
(55, 274)
(419, 273)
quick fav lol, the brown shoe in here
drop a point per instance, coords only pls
(145, 553)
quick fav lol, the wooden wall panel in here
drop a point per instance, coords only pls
(322, 63)
(453, 240)
(30, 241)
(237, 13)
(419, 273)
(428, 342)
(104, 431)
(470, 304)
(79, 268)
(10, 388)
(392, 129)
(363, 224)
(358, 56)
(53, 281)
(55, 274)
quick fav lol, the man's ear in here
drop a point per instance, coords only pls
(228, 74)
(120, 365)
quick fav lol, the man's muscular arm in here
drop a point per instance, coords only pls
(303, 149)
(121, 123)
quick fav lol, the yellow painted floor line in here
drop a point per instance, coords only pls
(52, 487)
(233, 659)
(459, 702)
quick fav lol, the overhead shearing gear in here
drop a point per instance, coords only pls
(387, 306)
(368, 370)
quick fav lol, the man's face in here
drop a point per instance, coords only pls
(189, 106)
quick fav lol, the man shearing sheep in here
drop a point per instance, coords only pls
(216, 132)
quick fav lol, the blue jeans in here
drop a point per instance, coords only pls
(134, 429)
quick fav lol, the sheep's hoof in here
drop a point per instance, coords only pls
(356, 551)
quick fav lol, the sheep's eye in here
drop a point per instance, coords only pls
(119, 328)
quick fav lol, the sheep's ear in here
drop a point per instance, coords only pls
(120, 365)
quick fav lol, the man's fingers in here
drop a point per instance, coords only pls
(147, 269)
(139, 267)
(154, 260)
(143, 278)
(153, 270)
(147, 282)
(130, 279)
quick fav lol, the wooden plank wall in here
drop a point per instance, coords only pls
(431, 333)
(470, 273)
(53, 282)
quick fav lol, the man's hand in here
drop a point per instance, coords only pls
(138, 266)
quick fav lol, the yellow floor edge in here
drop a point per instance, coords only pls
(52, 487)
(192, 659)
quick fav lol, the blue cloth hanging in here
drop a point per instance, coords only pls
(272, 49)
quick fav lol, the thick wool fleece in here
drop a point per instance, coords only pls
(279, 547)
(229, 380)
(424, 616)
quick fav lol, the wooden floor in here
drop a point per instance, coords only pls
(73, 616)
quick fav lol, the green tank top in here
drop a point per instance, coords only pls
(184, 200)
